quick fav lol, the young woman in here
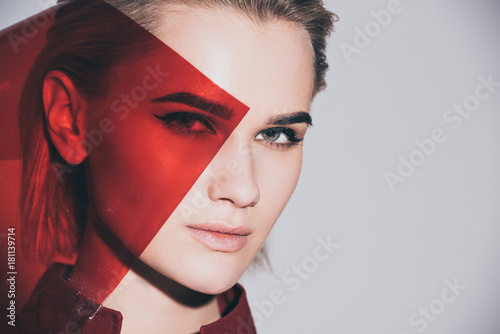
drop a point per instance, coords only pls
(159, 152)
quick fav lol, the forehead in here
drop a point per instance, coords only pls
(267, 65)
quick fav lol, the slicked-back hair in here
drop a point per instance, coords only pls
(87, 39)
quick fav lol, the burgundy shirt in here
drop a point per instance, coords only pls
(55, 307)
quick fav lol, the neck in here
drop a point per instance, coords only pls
(150, 302)
(153, 303)
(100, 266)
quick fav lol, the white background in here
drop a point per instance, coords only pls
(396, 247)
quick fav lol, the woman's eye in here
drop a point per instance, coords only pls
(279, 137)
(187, 123)
(274, 136)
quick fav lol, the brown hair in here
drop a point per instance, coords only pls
(85, 41)
(311, 15)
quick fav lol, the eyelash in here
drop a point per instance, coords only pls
(289, 133)
(172, 121)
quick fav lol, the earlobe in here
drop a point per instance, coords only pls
(65, 111)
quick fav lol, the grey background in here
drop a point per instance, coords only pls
(398, 248)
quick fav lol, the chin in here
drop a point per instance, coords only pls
(212, 288)
(208, 277)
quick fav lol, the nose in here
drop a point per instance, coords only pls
(232, 175)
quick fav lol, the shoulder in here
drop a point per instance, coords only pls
(54, 306)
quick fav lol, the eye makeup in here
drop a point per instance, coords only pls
(198, 102)
(188, 123)
(279, 138)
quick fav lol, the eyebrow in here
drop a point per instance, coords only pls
(198, 102)
(293, 118)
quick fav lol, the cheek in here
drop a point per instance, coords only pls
(138, 177)
(278, 174)
(141, 171)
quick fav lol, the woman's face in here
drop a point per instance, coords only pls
(194, 188)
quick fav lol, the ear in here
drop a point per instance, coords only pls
(66, 114)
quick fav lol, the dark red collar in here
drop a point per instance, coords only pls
(55, 307)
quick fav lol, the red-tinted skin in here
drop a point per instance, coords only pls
(161, 166)
(156, 169)
(140, 167)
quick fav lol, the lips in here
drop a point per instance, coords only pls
(220, 236)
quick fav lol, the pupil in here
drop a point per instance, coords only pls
(271, 135)
(185, 121)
